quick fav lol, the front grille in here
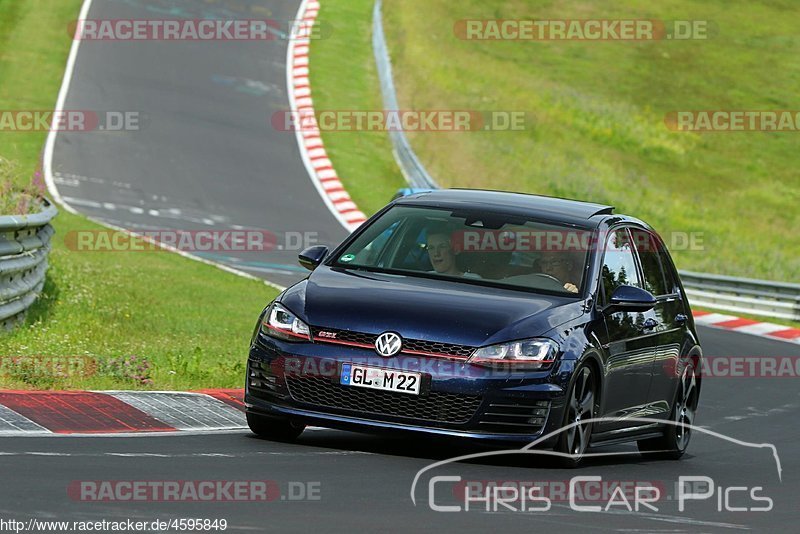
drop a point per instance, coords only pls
(415, 345)
(437, 407)
(515, 417)
(261, 380)
(446, 349)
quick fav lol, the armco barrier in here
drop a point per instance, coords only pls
(743, 295)
(415, 173)
(24, 247)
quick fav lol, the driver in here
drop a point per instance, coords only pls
(560, 266)
(440, 252)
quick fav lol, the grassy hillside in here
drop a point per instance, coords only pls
(595, 111)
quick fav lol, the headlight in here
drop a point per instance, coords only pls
(525, 354)
(282, 324)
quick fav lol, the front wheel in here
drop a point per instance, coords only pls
(274, 429)
(578, 413)
(675, 440)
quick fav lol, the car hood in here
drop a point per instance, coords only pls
(423, 308)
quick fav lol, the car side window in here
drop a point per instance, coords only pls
(670, 275)
(619, 265)
(649, 248)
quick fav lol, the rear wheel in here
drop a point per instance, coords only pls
(675, 440)
(274, 429)
(580, 408)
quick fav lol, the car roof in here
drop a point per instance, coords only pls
(539, 206)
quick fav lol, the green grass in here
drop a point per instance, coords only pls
(186, 324)
(595, 111)
(34, 45)
(344, 78)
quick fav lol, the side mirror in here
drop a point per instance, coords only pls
(629, 298)
(311, 257)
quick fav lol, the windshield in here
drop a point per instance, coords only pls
(472, 246)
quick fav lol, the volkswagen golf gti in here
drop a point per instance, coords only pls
(493, 316)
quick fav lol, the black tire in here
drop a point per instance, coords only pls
(581, 402)
(675, 440)
(274, 429)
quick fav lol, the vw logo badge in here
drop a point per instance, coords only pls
(388, 344)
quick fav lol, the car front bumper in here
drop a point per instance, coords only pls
(300, 381)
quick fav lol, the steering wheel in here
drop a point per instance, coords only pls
(553, 278)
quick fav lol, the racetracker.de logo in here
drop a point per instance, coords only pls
(582, 29)
(70, 121)
(188, 240)
(37, 365)
(193, 490)
(194, 30)
(740, 367)
(443, 120)
(524, 240)
(733, 121)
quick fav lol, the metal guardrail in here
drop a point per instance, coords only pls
(414, 172)
(24, 247)
(743, 295)
(740, 295)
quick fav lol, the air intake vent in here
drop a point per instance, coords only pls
(518, 417)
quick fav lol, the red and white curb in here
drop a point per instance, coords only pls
(746, 326)
(119, 412)
(312, 149)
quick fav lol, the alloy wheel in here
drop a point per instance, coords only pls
(581, 411)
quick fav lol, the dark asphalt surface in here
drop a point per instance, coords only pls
(365, 481)
(207, 158)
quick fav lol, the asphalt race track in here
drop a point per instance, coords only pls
(208, 157)
(364, 482)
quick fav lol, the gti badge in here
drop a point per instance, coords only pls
(326, 335)
(388, 344)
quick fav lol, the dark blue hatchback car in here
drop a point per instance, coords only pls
(485, 315)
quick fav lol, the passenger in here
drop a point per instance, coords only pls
(561, 266)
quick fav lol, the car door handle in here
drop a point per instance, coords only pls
(681, 319)
(649, 324)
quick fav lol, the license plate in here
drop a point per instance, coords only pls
(382, 379)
